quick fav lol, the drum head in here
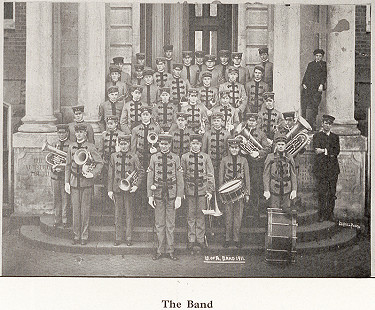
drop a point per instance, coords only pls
(230, 186)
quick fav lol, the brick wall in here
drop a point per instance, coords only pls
(15, 64)
(362, 69)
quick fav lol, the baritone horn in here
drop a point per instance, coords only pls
(55, 157)
(125, 184)
(297, 137)
(83, 158)
(152, 138)
(248, 143)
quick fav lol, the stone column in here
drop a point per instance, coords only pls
(39, 68)
(176, 30)
(157, 30)
(341, 68)
(286, 74)
(91, 59)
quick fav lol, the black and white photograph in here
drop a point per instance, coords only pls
(186, 140)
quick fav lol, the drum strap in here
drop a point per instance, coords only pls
(281, 173)
(234, 158)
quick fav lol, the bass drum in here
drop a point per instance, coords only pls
(231, 191)
(281, 236)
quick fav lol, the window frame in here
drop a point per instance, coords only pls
(10, 23)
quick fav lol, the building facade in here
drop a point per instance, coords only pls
(68, 48)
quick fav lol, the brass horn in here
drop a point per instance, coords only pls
(126, 183)
(81, 157)
(298, 137)
(152, 138)
(248, 143)
(55, 156)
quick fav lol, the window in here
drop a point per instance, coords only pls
(9, 15)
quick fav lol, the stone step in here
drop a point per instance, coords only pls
(253, 235)
(304, 218)
(34, 236)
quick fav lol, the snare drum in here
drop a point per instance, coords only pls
(231, 191)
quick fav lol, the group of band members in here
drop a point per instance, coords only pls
(195, 151)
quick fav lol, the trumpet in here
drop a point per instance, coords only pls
(152, 138)
(125, 184)
(55, 158)
(298, 137)
(84, 158)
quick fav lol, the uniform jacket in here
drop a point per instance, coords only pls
(214, 144)
(243, 75)
(315, 75)
(224, 70)
(179, 88)
(63, 146)
(125, 77)
(73, 172)
(237, 95)
(139, 143)
(230, 114)
(261, 137)
(255, 91)
(109, 108)
(198, 174)
(268, 73)
(169, 65)
(162, 78)
(180, 139)
(165, 172)
(197, 114)
(137, 81)
(194, 74)
(121, 164)
(131, 115)
(153, 91)
(268, 121)
(234, 167)
(326, 165)
(123, 88)
(164, 114)
(108, 141)
(279, 175)
(217, 77)
(209, 96)
(90, 132)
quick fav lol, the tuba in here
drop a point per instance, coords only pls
(83, 158)
(248, 143)
(55, 156)
(152, 138)
(297, 137)
(126, 183)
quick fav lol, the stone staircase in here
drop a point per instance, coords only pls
(312, 236)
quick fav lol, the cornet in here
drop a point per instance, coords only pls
(55, 158)
(83, 158)
(152, 138)
(125, 184)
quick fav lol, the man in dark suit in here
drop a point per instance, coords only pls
(326, 167)
(313, 84)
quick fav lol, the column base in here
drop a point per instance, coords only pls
(34, 125)
(346, 128)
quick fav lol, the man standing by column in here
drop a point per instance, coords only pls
(268, 67)
(199, 187)
(313, 84)
(326, 167)
(165, 173)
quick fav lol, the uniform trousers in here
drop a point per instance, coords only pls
(310, 104)
(81, 203)
(60, 201)
(233, 218)
(326, 186)
(195, 218)
(256, 186)
(123, 205)
(281, 201)
(165, 215)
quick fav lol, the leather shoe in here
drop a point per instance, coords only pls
(226, 244)
(75, 241)
(117, 243)
(129, 243)
(172, 257)
(157, 256)
(83, 242)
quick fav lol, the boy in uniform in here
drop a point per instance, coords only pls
(269, 117)
(224, 63)
(255, 90)
(150, 91)
(60, 197)
(268, 67)
(113, 106)
(217, 76)
(243, 72)
(231, 118)
(121, 165)
(140, 59)
(233, 167)
(161, 77)
(199, 187)
(199, 61)
(125, 77)
(164, 110)
(168, 54)
(79, 183)
(138, 74)
(178, 85)
(165, 173)
(131, 112)
(115, 75)
(189, 72)
(180, 135)
(78, 119)
(208, 94)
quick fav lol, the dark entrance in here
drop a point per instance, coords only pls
(212, 27)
